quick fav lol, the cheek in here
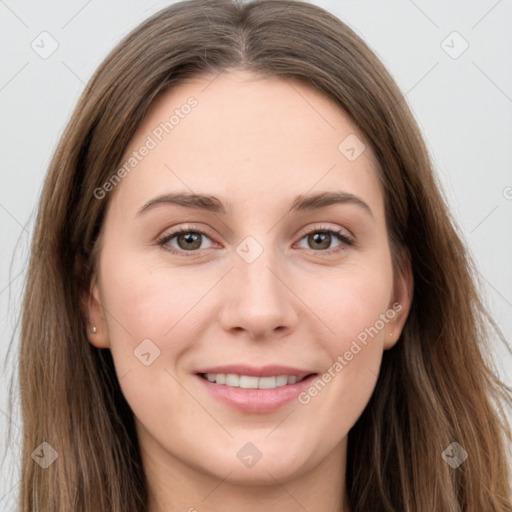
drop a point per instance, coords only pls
(150, 302)
(150, 316)
(350, 300)
(355, 307)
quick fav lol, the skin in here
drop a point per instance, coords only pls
(256, 143)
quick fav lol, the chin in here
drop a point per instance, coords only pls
(249, 465)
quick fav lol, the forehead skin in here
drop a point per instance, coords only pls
(258, 142)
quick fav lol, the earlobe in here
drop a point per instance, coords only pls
(97, 332)
(401, 304)
(90, 304)
(96, 325)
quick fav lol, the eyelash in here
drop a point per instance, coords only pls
(342, 237)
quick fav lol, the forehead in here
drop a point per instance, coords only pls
(242, 136)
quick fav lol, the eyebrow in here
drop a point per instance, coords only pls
(213, 204)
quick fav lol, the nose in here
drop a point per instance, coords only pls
(260, 301)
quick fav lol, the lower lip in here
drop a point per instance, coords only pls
(256, 400)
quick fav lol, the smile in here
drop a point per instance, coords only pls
(254, 390)
(250, 382)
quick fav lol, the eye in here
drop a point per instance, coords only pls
(188, 241)
(321, 238)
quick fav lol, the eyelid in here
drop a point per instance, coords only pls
(324, 227)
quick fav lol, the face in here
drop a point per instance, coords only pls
(257, 288)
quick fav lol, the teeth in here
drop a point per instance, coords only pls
(282, 380)
(269, 382)
(250, 382)
(232, 380)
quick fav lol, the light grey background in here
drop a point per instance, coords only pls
(463, 105)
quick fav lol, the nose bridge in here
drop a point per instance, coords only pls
(256, 268)
(259, 300)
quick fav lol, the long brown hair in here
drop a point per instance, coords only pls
(437, 385)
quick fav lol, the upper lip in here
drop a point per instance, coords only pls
(261, 371)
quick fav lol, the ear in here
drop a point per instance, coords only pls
(403, 290)
(92, 308)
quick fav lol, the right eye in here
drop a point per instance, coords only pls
(189, 241)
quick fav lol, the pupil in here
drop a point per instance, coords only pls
(320, 238)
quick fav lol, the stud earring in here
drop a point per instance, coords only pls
(93, 329)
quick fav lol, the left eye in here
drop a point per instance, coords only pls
(189, 241)
(322, 238)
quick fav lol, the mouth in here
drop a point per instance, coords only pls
(234, 380)
(252, 390)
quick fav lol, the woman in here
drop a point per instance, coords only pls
(320, 345)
